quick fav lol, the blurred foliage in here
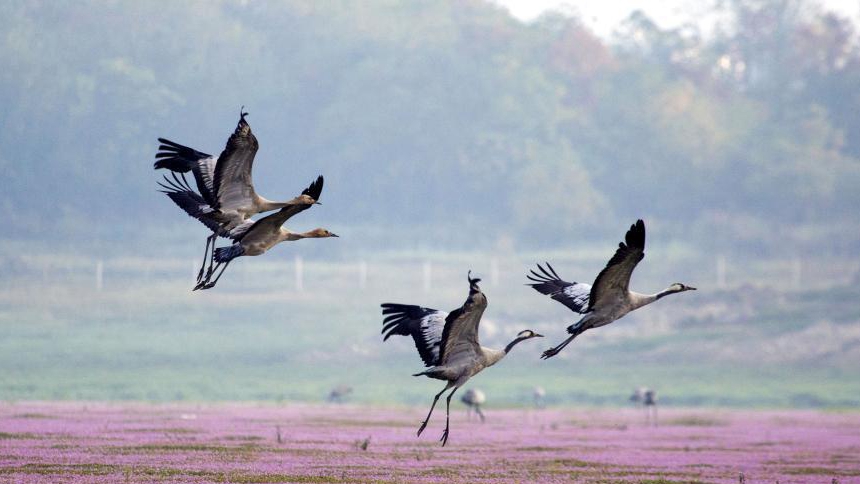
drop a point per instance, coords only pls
(442, 114)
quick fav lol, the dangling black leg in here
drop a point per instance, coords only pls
(435, 399)
(202, 284)
(210, 241)
(480, 413)
(210, 285)
(444, 438)
(555, 350)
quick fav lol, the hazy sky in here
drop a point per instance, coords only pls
(603, 16)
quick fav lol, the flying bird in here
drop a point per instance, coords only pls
(608, 299)
(226, 198)
(266, 233)
(447, 342)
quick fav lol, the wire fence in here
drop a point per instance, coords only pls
(424, 274)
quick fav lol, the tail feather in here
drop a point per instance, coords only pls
(576, 328)
(226, 254)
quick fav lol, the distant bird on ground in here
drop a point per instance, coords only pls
(447, 342)
(648, 399)
(226, 195)
(473, 399)
(339, 393)
(609, 298)
(539, 395)
(264, 234)
(638, 395)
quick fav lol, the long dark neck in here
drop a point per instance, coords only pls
(513, 343)
(665, 292)
(638, 300)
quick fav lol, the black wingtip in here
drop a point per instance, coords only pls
(635, 237)
(315, 189)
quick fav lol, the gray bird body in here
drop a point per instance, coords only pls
(447, 343)
(609, 298)
(225, 199)
(266, 233)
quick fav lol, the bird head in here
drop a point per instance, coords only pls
(473, 283)
(322, 233)
(527, 334)
(678, 287)
(305, 200)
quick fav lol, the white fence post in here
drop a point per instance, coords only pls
(300, 283)
(99, 275)
(428, 275)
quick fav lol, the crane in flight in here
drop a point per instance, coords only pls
(447, 342)
(609, 298)
(225, 199)
(266, 233)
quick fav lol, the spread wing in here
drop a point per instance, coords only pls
(182, 159)
(190, 201)
(614, 279)
(425, 325)
(232, 185)
(460, 336)
(176, 157)
(194, 205)
(274, 221)
(574, 295)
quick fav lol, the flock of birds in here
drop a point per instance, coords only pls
(447, 343)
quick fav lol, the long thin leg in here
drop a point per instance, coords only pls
(435, 399)
(479, 412)
(201, 284)
(444, 438)
(209, 285)
(556, 349)
(210, 241)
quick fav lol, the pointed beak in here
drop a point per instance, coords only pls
(691, 288)
(335, 235)
(317, 203)
(538, 335)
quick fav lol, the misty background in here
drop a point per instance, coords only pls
(452, 136)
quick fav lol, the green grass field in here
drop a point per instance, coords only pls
(146, 336)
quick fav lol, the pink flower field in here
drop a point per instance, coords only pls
(117, 443)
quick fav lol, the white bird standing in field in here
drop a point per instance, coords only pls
(609, 298)
(226, 199)
(448, 342)
(539, 395)
(473, 399)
